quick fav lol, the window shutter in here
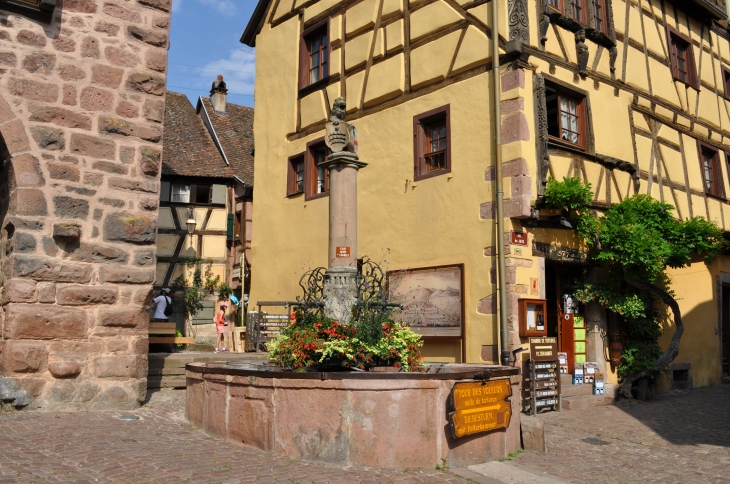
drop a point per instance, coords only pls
(291, 177)
(720, 180)
(303, 63)
(165, 191)
(219, 195)
(229, 228)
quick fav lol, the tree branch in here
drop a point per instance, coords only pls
(672, 351)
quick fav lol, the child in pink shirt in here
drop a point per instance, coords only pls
(220, 326)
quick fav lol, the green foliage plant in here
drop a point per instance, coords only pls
(224, 292)
(574, 197)
(311, 342)
(636, 241)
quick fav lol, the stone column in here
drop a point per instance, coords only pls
(340, 284)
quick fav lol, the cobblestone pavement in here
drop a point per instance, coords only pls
(677, 437)
(160, 447)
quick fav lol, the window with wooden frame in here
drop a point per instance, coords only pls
(295, 175)
(556, 4)
(316, 178)
(726, 82)
(566, 116)
(577, 10)
(711, 171)
(600, 19)
(682, 57)
(432, 143)
(314, 55)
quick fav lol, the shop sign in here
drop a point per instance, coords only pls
(558, 253)
(480, 407)
(544, 349)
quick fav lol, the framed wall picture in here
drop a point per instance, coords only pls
(432, 298)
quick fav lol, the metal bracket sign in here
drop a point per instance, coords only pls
(480, 407)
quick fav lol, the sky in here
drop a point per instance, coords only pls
(204, 42)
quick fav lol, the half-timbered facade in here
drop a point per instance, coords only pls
(207, 176)
(631, 96)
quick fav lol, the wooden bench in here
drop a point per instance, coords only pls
(157, 329)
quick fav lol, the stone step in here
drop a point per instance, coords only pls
(575, 390)
(172, 381)
(179, 360)
(165, 371)
(585, 402)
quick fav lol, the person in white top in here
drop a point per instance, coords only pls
(162, 300)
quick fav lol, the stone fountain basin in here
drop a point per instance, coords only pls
(379, 419)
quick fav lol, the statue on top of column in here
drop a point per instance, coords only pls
(341, 136)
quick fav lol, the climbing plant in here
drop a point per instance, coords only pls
(203, 284)
(636, 241)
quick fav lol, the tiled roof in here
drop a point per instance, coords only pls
(235, 134)
(188, 148)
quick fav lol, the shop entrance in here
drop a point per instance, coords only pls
(565, 317)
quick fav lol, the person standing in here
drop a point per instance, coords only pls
(220, 326)
(163, 301)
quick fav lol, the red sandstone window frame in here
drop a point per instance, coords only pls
(319, 30)
(422, 142)
(711, 170)
(293, 185)
(311, 171)
(581, 113)
(681, 47)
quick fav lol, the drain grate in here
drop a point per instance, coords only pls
(593, 441)
(128, 417)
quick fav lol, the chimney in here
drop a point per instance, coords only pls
(218, 95)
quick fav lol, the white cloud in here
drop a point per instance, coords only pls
(238, 71)
(226, 7)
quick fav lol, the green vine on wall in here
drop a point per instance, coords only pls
(636, 241)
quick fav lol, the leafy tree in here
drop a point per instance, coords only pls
(640, 239)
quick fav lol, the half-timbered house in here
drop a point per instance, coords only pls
(207, 177)
(631, 95)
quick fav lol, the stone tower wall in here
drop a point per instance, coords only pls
(81, 111)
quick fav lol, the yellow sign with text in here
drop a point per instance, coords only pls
(480, 407)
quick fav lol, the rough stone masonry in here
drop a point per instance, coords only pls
(81, 111)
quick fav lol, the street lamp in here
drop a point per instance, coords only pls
(190, 223)
(191, 226)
